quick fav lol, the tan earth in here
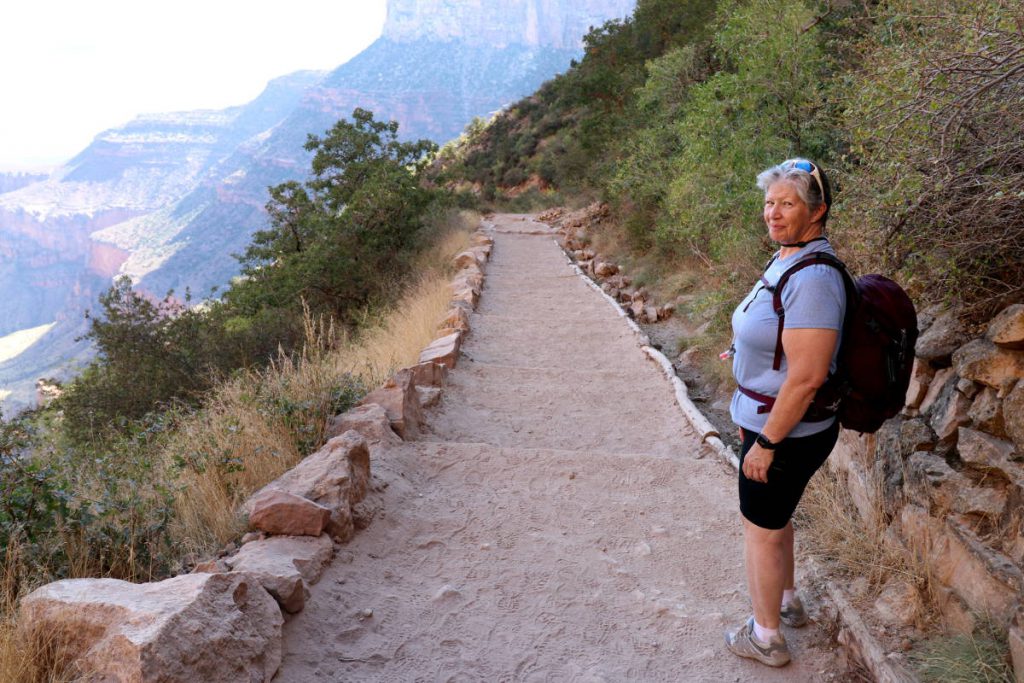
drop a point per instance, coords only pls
(556, 523)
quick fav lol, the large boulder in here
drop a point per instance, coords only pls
(195, 627)
(285, 566)
(996, 367)
(1007, 328)
(336, 476)
(399, 399)
(280, 512)
(370, 420)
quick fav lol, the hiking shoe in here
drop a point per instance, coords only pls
(743, 642)
(793, 613)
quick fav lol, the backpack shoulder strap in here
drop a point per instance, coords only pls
(812, 260)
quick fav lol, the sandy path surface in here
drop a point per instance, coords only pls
(556, 525)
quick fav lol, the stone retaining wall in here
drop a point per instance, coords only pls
(223, 622)
(945, 477)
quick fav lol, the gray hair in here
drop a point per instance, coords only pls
(805, 185)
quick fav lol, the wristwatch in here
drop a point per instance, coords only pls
(765, 443)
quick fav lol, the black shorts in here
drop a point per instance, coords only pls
(771, 505)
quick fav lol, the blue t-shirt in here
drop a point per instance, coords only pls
(814, 297)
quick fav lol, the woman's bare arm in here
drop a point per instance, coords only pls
(808, 357)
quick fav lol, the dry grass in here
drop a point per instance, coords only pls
(25, 657)
(837, 533)
(257, 426)
(979, 657)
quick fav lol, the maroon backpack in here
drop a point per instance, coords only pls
(876, 353)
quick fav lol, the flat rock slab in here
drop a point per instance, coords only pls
(196, 627)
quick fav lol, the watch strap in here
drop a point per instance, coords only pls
(765, 443)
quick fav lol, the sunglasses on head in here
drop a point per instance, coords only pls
(808, 167)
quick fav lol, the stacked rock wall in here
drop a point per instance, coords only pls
(223, 622)
(946, 477)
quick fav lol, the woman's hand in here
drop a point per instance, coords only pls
(756, 463)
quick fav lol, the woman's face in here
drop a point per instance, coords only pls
(787, 216)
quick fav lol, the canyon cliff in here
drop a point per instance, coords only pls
(168, 198)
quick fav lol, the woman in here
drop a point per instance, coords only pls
(783, 442)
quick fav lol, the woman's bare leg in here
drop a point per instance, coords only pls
(767, 570)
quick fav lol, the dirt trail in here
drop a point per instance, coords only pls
(556, 525)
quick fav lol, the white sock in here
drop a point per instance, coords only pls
(787, 595)
(764, 634)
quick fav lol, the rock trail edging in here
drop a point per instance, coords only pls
(223, 622)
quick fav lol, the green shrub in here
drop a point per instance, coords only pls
(936, 163)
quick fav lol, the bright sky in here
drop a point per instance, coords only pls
(70, 69)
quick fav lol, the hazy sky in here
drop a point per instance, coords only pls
(70, 69)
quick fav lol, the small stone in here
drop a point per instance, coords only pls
(253, 536)
(967, 387)
(636, 308)
(920, 378)
(936, 388)
(400, 400)
(1013, 415)
(987, 412)
(898, 603)
(915, 435)
(211, 567)
(950, 413)
(366, 613)
(605, 269)
(651, 313)
(445, 592)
